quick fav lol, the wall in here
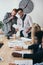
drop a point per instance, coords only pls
(36, 14)
(6, 6)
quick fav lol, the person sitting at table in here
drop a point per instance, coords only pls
(37, 55)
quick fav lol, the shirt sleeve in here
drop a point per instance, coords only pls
(37, 55)
(6, 18)
(28, 21)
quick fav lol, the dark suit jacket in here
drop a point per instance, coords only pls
(37, 55)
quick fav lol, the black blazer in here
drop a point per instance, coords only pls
(34, 47)
(37, 55)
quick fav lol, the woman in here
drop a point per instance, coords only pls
(37, 55)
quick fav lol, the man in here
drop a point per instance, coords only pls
(9, 20)
(26, 24)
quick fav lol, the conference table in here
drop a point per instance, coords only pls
(5, 52)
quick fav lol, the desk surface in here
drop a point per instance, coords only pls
(5, 53)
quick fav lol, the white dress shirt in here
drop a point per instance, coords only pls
(19, 24)
(27, 25)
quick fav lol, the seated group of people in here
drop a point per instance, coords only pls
(27, 29)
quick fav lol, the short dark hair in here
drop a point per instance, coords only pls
(15, 9)
(39, 36)
(20, 9)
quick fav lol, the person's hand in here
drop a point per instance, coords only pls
(28, 30)
(11, 64)
(17, 30)
(11, 17)
(18, 48)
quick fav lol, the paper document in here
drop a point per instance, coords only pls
(16, 43)
(25, 39)
(24, 62)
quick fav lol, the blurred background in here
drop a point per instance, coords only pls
(32, 7)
